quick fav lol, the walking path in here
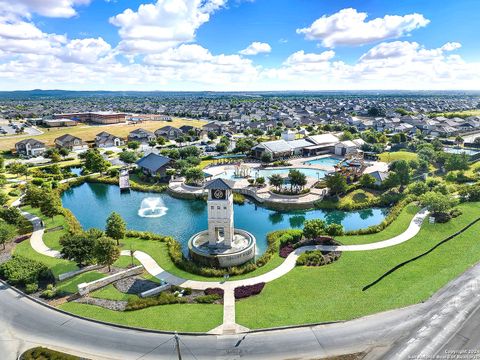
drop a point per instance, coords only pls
(229, 325)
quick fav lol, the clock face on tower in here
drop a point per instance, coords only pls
(218, 194)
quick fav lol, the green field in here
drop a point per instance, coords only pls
(389, 157)
(177, 317)
(334, 292)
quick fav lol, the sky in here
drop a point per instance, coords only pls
(239, 45)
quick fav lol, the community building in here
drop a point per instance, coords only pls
(154, 165)
(99, 117)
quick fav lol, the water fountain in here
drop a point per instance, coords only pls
(152, 207)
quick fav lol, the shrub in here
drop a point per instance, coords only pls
(20, 270)
(334, 230)
(163, 298)
(214, 291)
(286, 250)
(242, 292)
(40, 353)
(50, 292)
(238, 199)
(37, 181)
(317, 258)
(31, 288)
(208, 299)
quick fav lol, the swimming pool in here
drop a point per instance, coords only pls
(326, 161)
(452, 150)
(313, 173)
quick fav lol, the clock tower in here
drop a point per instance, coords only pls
(220, 213)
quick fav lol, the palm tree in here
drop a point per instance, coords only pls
(276, 180)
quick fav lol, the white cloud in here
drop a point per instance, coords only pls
(48, 8)
(156, 27)
(256, 48)
(85, 51)
(349, 27)
(301, 58)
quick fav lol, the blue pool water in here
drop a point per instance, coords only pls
(314, 173)
(326, 161)
(452, 150)
(93, 203)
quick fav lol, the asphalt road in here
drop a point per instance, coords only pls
(449, 320)
(25, 324)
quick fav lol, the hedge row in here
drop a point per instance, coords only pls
(23, 271)
(392, 215)
(164, 298)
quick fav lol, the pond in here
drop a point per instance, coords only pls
(91, 203)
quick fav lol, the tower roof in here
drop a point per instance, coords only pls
(219, 183)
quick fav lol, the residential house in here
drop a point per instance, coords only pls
(105, 140)
(168, 132)
(70, 142)
(30, 147)
(141, 135)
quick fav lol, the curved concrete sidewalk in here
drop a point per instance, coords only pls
(229, 326)
(288, 264)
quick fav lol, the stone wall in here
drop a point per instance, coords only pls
(85, 288)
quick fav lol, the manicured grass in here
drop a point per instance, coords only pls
(353, 200)
(158, 251)
(176, 317)
(110, 292)
(58, 266)
(70, 286)
(125, 261)
(50, 238)
(398, 226)
(334, 292)
(460, 114)
(87, 132)
(399, 155)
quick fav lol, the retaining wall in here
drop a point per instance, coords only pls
(85, 288)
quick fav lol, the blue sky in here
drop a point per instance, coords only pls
(197, 44)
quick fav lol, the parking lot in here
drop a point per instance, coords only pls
(10, 129)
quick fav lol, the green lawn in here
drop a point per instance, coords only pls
(177, 317)
(398, 226)
(399, 155)
(50, 238)
(334, 292)
(70, 286)
(110, 292)
(58, 266)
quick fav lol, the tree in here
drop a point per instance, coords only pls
(194, 175)
(78, 248)
(51, 204)
(347, 135)
(134, 145)
(152, 143)
(266, 157)
(334, 229)
(7, 233)
(367, 181)
(18, 168)
(477, 141)
(94, 161)
(33, 196)
(337, 183)
(402, 171)
(438, 203)
(457, 162)
(3, 198)
(211, 135)
(221, 147)
(459, 140)
(276, 180)
(53, 154)
(12, 215)
(106, 252)
(116, 227)
(128, 157)
(64, 152)
(161, 141)
(313, 228)
(297, 179)
(417, 188)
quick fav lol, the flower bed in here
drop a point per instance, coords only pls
(243, 292)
